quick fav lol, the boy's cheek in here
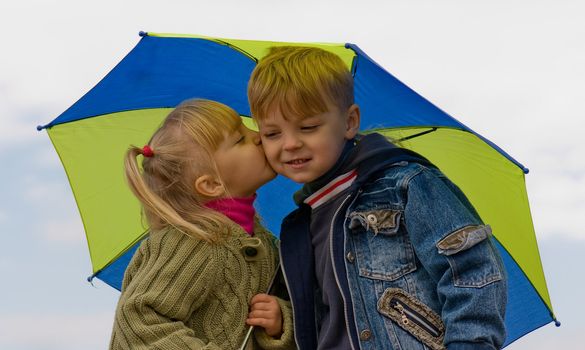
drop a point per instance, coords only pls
(274, 163)
(269, 150)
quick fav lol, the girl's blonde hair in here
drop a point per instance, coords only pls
(183, 149)
(299, 80)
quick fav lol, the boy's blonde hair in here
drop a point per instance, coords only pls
(299, 81)
(183, 150)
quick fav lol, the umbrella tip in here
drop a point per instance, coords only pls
(40, 127)
(142, 33)
(557, 323)
(525, 170)
(90, 280)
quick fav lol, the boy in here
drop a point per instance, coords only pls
(384, 252)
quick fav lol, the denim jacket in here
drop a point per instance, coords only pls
(416, 267)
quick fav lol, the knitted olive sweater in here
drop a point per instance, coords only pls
(183, 293)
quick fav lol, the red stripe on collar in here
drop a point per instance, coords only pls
(334, 187)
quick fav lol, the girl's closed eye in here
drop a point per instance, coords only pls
(241, 139)
(271, 134)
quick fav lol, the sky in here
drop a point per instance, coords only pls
(513, 71)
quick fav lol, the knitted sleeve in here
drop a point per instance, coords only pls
(286, 340)
(163, 293)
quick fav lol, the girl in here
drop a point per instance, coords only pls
(189, 284)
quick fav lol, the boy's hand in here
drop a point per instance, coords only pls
(265, 312)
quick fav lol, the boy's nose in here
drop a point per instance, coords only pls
(291, 142)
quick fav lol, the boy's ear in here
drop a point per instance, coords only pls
(352, 125)
(209, 186)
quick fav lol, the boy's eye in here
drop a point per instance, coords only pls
(309, 127)
(240, 139)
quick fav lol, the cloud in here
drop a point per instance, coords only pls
(55, 331)
(556, 187)
(560, 254)
(36, 190)
(64, 231)
(550, 337)
(20, 114)
(42, 186)
(5, 264)
(15, 131)
(53, 205)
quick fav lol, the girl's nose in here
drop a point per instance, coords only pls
(256, 138)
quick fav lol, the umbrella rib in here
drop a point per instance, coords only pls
(236, 48)
(417, 135)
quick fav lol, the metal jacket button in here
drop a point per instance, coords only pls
(350, 257)
(365, 334)
(372, 219)
(251, 251)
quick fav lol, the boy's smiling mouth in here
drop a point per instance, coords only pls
(297, 163)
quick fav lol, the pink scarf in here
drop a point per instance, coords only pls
(239, 210)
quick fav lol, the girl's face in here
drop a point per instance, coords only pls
(241, 162)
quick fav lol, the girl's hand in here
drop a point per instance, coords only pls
(265, 312)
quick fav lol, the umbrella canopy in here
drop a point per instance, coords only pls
(162, 70)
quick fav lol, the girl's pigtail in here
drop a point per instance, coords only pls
(158, 211)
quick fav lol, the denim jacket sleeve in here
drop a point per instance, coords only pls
(457, 250)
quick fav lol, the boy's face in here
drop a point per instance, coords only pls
(303, 149)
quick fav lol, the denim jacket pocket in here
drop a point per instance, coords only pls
(385, 221)
(382, 250)
(471, 256)
(413, 316)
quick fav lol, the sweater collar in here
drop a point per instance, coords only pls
(239, 210)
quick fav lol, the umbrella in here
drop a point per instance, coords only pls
(129, 103)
